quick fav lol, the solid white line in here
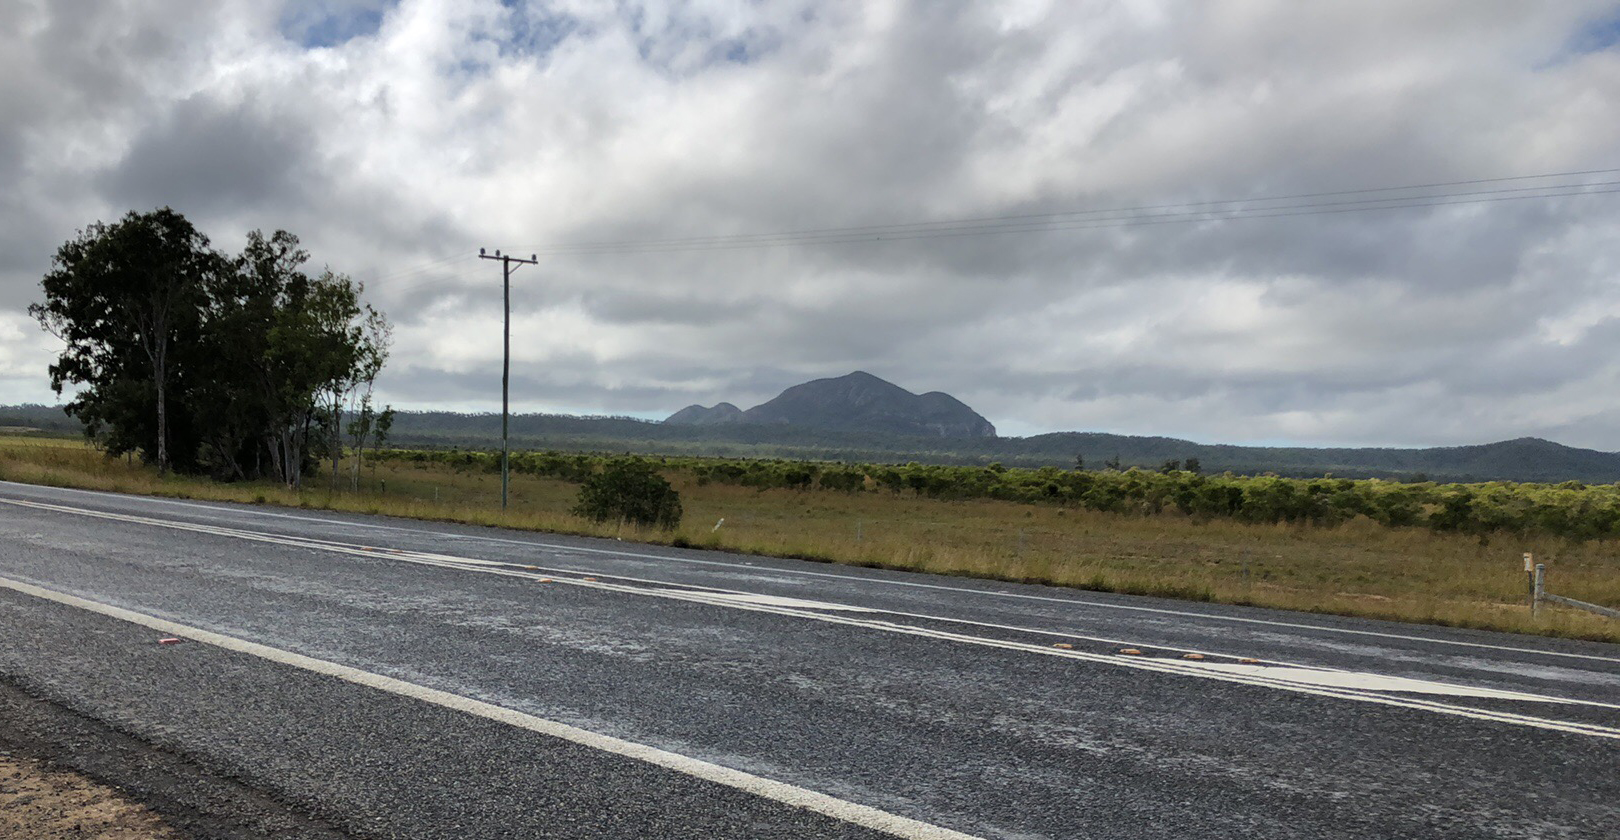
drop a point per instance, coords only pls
(848, 578)
(708, 595)
(1185, 669)
(791, 795)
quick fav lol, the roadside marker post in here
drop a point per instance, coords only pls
(1539, 595)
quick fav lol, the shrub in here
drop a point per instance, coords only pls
(631, 490)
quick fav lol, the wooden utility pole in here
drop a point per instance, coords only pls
(507, 262)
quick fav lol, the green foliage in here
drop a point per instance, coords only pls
(127, 299)
(202, 362)
(1569, 510)
(631, 490)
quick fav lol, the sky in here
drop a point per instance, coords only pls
(397, 138)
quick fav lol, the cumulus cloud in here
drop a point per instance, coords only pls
(398, 138)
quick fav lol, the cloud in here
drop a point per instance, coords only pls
(397, 138)
(212, 158)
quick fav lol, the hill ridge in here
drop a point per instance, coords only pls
(1518, 459)
(855, 402)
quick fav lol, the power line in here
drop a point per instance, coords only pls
(886, 233)
(1086, 224)
(421, 268)
(929, 230)
(1214, 210)
(1110, 216)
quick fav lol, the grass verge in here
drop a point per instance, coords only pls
(1358, 568)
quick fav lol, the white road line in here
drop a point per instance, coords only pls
(848, 578)
(707, 594)
(791, 795)
(1281, 681)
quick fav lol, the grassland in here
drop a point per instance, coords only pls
(1358, 567)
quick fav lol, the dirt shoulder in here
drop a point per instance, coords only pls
(64, 776)
(40, 802)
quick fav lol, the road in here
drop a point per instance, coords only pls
(391, 678)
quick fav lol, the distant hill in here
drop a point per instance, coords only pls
(697, 415)
(858, 402)
(45, 418)
(1524, 459)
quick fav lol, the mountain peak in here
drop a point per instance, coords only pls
(697, 415)
(860, 402)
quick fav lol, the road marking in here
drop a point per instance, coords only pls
(848, 578)
(1262, 678)
(782, 792)
(1373, 682)
(708, 595)
(778, 601)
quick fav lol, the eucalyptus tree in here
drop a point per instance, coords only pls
(123, 297)
(203, 361)
(319, 344)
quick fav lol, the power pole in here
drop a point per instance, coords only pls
(507, 261)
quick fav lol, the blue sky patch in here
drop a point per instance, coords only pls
(330, 23)
(1596, 35)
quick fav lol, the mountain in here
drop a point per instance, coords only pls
(1523, 459)
(697, 415)
(857, 402)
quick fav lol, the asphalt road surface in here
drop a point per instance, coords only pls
(389, 678)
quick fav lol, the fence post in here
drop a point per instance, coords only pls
(1530, 575)
(1538, 589)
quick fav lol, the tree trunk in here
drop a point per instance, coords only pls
(337, 452)
(359, 455)
(300, 446)
(160, 375)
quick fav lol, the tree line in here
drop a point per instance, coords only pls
(1569, 510)
(239, 366)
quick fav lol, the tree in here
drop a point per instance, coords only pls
(1193, 466)
(123, 297)
(1170, 466)
(321, 343)
(368, 424)
(1079, 463)
(629, 490)
(370, 340)
(202, 361)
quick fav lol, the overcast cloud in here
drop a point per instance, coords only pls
(398, 138)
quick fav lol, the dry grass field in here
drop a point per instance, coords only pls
(1358, 568)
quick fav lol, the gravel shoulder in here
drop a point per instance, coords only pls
(64, 776)
(48, 804)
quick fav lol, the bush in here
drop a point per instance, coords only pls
(630, 490)
(1571, 510)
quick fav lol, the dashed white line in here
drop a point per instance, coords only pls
(1281, 681)
(1079, 602)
